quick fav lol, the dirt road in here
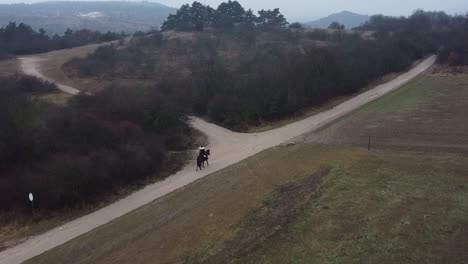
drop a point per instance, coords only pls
(227, 148)
(30, 66)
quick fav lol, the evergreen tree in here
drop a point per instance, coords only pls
(193, 17)
(229, 14)
(271, 19)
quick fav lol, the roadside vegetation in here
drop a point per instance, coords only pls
(242, 70)
(75, 155)
(448, 34)
(21, 39)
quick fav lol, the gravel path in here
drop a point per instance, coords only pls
(227, 148)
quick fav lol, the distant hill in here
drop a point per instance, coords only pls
(349, 19)
(56, 17)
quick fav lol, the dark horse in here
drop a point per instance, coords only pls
(207, 156)
(202, 158)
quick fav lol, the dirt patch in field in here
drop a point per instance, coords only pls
(266, 221)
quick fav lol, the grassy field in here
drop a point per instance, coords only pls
(327, 200)
(384, 208)
(428, 114)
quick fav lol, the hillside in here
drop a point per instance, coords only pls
(213, 67)
(349, 19)
(56, 17)
(193, 68)
(372, 181)
(323, 199)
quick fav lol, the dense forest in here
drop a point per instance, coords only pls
(72, 155)
(20, 39)
(240, 69)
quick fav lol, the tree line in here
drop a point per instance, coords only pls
(70, 156)
(278, 82)
(20, 39)
(228, 15)
(446, 34)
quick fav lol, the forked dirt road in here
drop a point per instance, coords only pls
(227, 148)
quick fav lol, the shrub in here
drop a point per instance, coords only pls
(72, 155)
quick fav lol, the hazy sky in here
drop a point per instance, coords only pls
(308, 9)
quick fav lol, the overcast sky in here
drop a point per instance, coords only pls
(309, 9)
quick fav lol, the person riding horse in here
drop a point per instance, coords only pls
(202, 158)
(202, 151)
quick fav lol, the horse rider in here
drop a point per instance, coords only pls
(202, 151)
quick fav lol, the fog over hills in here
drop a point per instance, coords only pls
(306, 10)
(56, 17)
(349, 19)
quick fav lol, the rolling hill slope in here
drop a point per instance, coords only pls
(349, 19)
(56, 17)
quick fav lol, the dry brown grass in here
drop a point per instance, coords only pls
(52, 63)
